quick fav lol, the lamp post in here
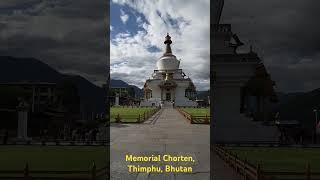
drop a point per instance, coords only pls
(316, 124)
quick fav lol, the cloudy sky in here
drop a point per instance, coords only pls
(138, 29)
(286, 36)
(69, 35)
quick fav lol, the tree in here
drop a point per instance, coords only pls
(131, 92)
(68, 97)
(10, 95)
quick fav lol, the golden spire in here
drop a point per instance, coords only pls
(168, 42)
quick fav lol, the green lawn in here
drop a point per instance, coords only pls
(281, 159)
(197, 111)
(52, 157)
(128, 114)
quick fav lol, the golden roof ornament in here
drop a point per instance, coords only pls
(168, 47)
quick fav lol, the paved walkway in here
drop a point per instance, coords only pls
(167, 132)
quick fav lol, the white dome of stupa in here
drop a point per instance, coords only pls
(168, 61)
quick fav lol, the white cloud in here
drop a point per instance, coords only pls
(111, 28)
(124, 17)
(139, 20)
(68, 35)
(190, 35)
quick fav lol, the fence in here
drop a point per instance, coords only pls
(127, 106)
(252, 172)
(265, 144)
(195, 119)
(27, 174)
(139, 119)
(196, 107)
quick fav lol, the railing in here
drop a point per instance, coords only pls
(127, 106)
(197, 107)
(27, 174)
(249, 171)
(139, 119)
(265, 144)
(194, 119)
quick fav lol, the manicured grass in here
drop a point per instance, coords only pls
(197, 111)
(53, 157)
(128, 114)
(281, 159)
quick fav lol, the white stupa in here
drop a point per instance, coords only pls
(168, 84)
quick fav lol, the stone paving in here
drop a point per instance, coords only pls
(167, 132)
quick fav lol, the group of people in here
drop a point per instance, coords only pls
(75, 135)
(84, 135)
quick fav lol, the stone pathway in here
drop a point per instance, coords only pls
(167, 132)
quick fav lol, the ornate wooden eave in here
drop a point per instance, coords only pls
(168, 84)
(191, 87)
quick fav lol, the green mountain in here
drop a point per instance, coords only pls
(299, 106)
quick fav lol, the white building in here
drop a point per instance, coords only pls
(242, 91)
(168, 84)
